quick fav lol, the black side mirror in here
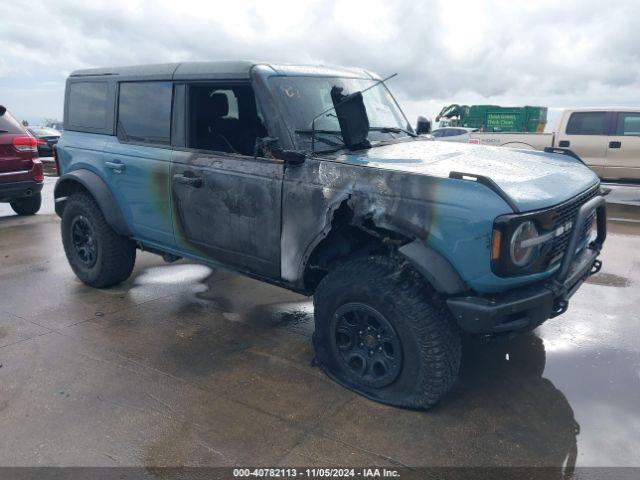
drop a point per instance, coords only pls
(423, 125)
(352, 117)
(3, 110)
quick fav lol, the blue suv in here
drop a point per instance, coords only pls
(311, 178)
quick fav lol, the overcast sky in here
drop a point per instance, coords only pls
(557, 53)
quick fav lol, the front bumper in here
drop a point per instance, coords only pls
(14, 190)
(527, 307)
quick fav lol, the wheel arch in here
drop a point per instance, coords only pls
(348, 235)
(434, 267)
(83, 180)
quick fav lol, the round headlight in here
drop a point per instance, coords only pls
(521, 256)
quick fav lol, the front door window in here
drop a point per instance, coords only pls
(224, 119)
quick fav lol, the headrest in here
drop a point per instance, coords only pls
(218, 105)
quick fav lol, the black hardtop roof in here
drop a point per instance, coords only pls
(237, 69)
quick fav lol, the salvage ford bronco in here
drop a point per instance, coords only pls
(311, 178)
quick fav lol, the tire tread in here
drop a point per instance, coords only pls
(118, 253)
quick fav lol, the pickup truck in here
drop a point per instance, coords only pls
(607, 140)
(312, 179)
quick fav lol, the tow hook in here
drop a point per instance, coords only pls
(596, 267)
(560, 292)
(560, 307)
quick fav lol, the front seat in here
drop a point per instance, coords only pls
(213, 130)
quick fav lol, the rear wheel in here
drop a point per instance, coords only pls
(97, 254)
(381, 332)
(27, 205)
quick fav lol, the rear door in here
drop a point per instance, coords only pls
(586, 134)
(623, 153)
(137, 160)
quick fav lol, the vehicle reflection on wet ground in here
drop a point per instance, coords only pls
(184, 364)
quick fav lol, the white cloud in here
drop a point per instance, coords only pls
(569, 53)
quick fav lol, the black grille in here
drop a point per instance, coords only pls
(567, 213)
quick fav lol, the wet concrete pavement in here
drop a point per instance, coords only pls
(185, 365)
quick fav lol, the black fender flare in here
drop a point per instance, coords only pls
(98, 189)
(436, 269)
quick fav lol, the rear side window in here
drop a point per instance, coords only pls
(628, 123)
(8, 124)
(88, 105)
(587, 123)
(144, 112)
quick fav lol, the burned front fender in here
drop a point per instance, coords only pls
(446, 223)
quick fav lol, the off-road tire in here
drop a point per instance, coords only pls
(429, 338)
(115, 255)
(27, 205)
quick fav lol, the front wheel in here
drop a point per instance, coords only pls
(97, 254)
(27, 205)
(381, 333)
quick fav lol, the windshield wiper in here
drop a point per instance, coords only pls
(334, 133)
(392, 130)
(308, 130)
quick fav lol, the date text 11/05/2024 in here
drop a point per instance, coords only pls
(315, 473)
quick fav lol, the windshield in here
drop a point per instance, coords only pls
(302, 98)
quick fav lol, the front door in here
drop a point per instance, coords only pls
(623, 154)
(226, 202)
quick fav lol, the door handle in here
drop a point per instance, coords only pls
(615, 144)
(117, 167)
(564, 143)
(192, 181)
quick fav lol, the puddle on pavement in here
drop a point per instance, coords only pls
(171, 274)
(609, 280)
(259, 309)
(553, 405)
(280, 314)
(504, 380)
(158, 279)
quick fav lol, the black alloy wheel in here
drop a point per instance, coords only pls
(84, 241)
(367, 345)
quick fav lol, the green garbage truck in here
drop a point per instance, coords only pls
(493, 118)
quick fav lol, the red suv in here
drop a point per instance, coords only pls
(21, 175)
